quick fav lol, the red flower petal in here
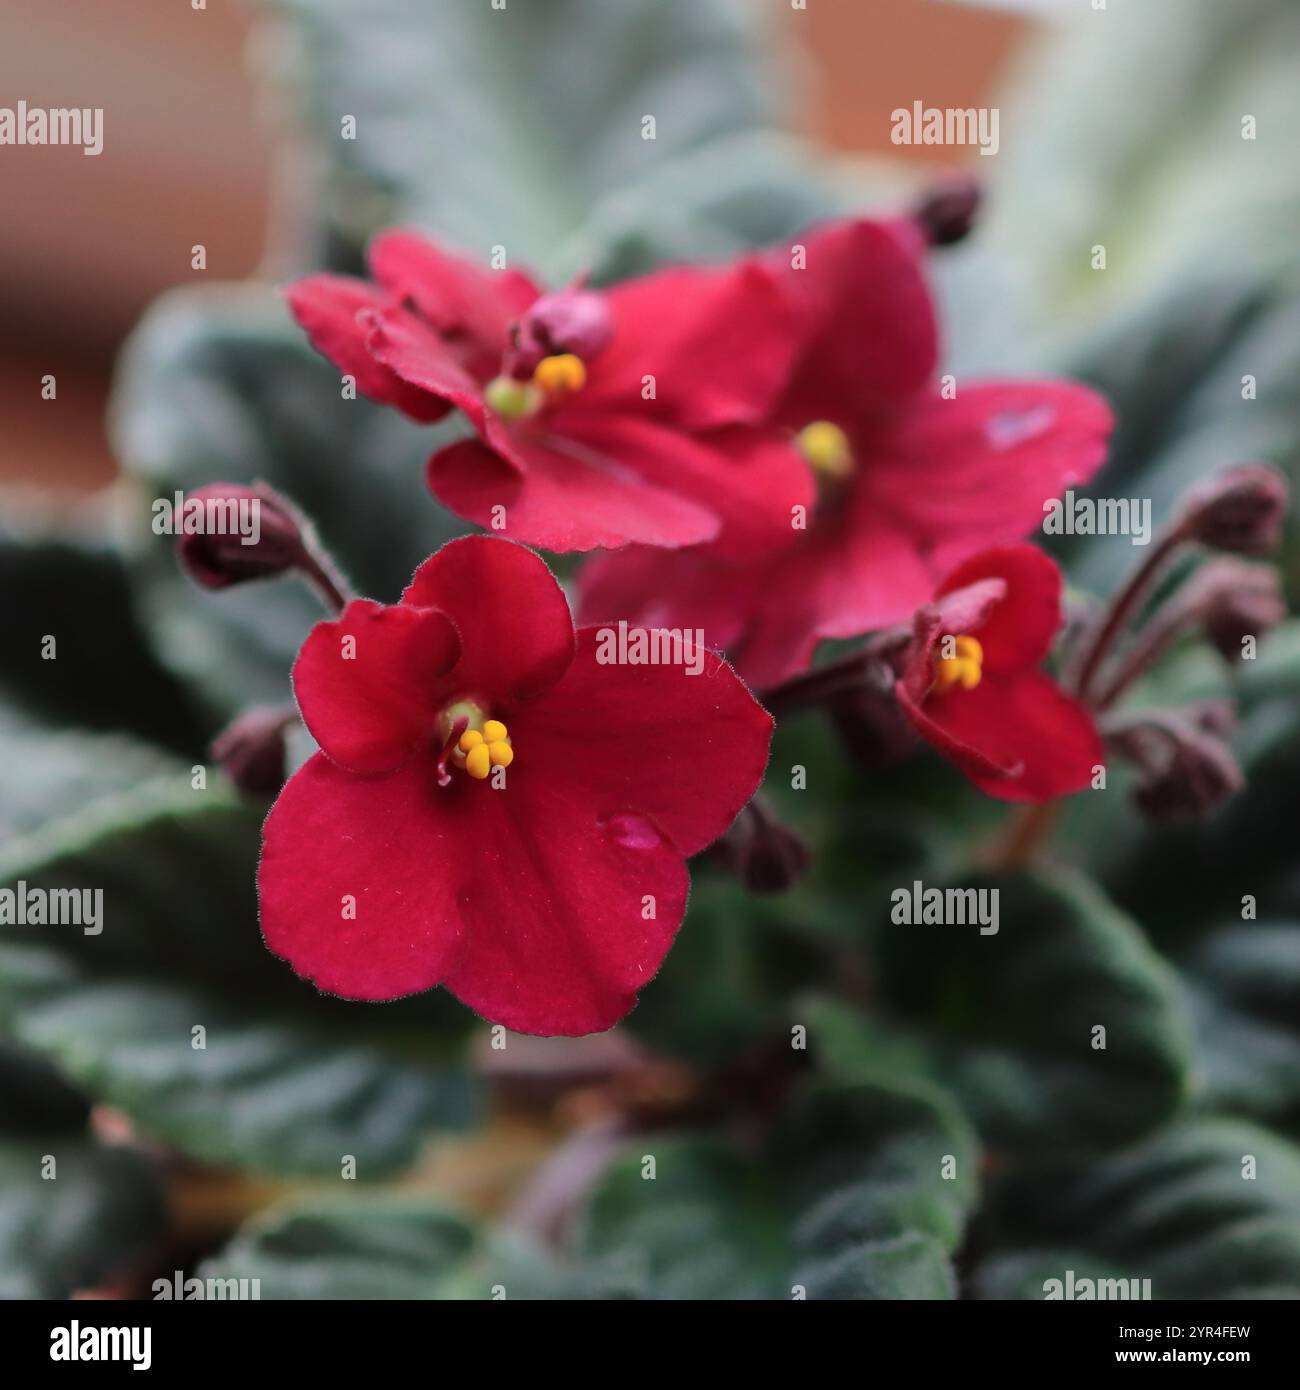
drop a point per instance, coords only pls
(570, 497)
(387, 844)
(976, 470)
(530, 907)
(1019, 630)
(649, 587)
(327, 306)
(419, 356)
(868, 325)
(371, 701)
(515, 628)
(567, 912)
(687, 750)
(719, 344)
(1019, 738)
(453, 293)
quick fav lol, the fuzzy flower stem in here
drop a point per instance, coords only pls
(1122, 607)
(324, 577)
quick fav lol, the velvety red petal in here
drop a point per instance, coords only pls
(976, 470)
(650, 587)
(355, 881)
(845, 576)
(568, 496)
(1019, 630)
(684, 743)
(751, 479)
(453, 293)
(1019, 738)
(516, 632)
(327, 306)
(719, 343)
(368, 682)
(569, 906)
(867, 323)
(420, 357)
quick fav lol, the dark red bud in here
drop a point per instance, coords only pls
(229, 533)
(765, 855)
(573, 320)
(947, 212)
(1239, 510)
(1187, 768)
(1241, 600)
(252, 750)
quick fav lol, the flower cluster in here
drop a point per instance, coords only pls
(762, 452)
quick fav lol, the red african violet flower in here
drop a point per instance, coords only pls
(971, 682)
(403, 856)
(602, 417)
(910, 482)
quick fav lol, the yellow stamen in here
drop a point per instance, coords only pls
(965, 667)
(560, 375)
(827, 449)
(479, 750)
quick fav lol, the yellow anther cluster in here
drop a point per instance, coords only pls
(486, 750)
(560, 375)
(964, 668)
(827, 449)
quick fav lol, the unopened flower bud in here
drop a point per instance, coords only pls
(1239, 510)
(1244, 601)
(765, 855)
(947, 211)
(230, 533)
(574, 321)
(1187, 768)
(252, 750)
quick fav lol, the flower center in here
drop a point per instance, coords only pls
(511, 399)
(472, 742)
(964, 667)
(826, 448)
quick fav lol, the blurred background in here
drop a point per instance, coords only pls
(192, 138)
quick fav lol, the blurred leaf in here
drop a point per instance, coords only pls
(382, 1247)
(1009, 1018)
(503, 126)
(846, 1198)
(34, 1097)
(1180, 1211)
(100, 1210)
(75, 589)
(289, 1080)
(1245, 982)
(1148, 159)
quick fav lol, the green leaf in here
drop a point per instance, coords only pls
(288, 1080)
(1245, 991)
(504, 126)
(1147, 159)
(846, 1198)
(1009, 1018)
(75, 591)
(71, 1213)
(382, 1247)
(1182, 1211)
